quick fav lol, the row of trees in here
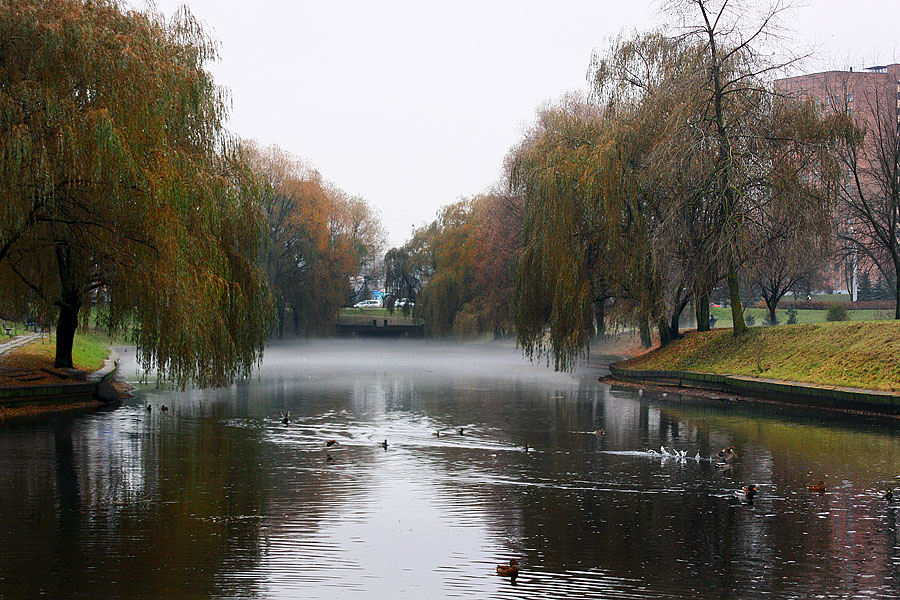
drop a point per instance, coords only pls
(122, 194)
(318, 240)
(685, 172)
(460, 268)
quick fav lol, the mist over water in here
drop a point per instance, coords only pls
(217, 497)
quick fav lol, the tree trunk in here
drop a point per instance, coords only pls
(773, 320)
(665, 334)
(65, 334)
(771, 301)
(69, 304)
(737, 311)
(701, 310)
(600, 319)
(644, 328)
(897, 286)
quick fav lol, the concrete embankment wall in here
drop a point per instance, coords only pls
(66, 392)
(813, 395)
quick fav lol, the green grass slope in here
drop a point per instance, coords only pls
(853, 354)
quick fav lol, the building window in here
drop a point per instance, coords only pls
(850, 97)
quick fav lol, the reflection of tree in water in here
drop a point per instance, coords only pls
(127, 515)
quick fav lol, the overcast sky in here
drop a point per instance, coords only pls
(414, 104)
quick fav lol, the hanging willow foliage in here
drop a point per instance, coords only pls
(573, 218)
(120, 188)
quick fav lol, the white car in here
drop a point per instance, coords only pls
(404, 302)
(368, 304)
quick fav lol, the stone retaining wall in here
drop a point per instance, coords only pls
(770, 389)
(59, 393)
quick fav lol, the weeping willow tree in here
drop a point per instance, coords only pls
(578, 211)
(121, 191)
(449, 288)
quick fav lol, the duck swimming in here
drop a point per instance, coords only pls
(819, 487)
(330, 443)
(286, 417)
(384, 444)
(889, 495)
(726, 454)
(437, 433)
(510, 570)
(748, 491)
(461, 431)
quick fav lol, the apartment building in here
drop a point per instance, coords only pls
(872, 97)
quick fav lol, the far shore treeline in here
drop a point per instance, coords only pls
(685, 177)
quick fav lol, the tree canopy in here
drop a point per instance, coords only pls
(121, 190)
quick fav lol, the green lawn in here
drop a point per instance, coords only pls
(851, 353)
(89, 350)
(364, 316)
(723, 315)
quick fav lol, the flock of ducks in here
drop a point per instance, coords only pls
(727, 455)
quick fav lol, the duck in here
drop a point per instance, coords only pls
(726, 454)
(527, 448)
(149, 408)
(889, 495)
(600, 432)
(437, 433)
(286, 417)
(510, 570)
(461, 431)
(819, 487)
(330, 443)
(164, 408)
(749, 491)
(384, 444)
(329, 458)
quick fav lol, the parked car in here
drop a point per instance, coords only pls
(404, 302)
(368, 304)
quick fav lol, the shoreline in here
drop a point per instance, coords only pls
(725, 399)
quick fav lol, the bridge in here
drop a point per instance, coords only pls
(378, 324)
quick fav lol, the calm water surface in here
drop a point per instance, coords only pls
(217, 498)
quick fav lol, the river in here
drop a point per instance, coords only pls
(218, 498)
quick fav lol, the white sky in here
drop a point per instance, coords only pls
(414, 104)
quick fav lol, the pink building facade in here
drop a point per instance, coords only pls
(872, 97)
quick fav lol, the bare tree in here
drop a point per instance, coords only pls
(871, 197)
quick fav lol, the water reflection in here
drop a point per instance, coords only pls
(219, 498)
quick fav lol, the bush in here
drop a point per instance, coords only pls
(836, 312)
(792, 316)
(750, 320)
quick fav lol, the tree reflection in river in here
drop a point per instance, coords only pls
(218, 498)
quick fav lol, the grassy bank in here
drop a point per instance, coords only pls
(854, 354)
(88, 352)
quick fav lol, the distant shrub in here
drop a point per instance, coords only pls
(836, 312)
(861, 305)
(750, 320)
(792, 316)
(770, 321)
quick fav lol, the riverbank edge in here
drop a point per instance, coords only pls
(809, 395)
(28, 399)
